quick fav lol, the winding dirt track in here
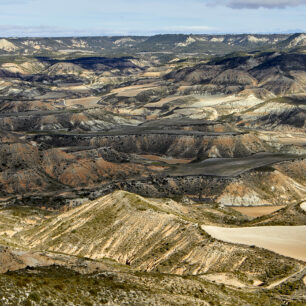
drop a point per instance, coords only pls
(289, 241)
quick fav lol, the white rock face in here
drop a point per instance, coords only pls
(254, 39)
(79, 43)
(298, 41)
(217, 39)
(249, 199)
(188, 41)
(11, 67)
(123, 41)
(7, 45)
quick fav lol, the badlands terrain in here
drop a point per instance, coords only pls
(163, 170)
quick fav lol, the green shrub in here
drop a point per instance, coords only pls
(34, 296)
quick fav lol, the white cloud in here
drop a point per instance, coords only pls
(44, 31)
(255, 4)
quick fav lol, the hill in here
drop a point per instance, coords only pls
(180, 43)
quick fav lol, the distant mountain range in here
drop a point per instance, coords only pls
(170, 43)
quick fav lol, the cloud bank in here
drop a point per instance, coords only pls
(255, 4)
(46, 31)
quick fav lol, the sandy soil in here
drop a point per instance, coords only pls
(285, 240)
(86, 102)
(230, 101)
(297, 139)
(166, 100)
(4, 198)
(170, 161)
(76, 87)
(258, 211)
(223, 278)
(132, 91)
(152, 74)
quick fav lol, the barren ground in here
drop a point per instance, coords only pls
(285, 240)
(258, 211)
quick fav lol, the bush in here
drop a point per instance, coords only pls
(34, 297)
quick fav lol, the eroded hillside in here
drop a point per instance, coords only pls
(124, 233)
(123, 160)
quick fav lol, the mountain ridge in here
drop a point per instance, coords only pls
(157, 43)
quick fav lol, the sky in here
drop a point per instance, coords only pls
(149, 17)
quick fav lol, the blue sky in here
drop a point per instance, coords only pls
(146, 17)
